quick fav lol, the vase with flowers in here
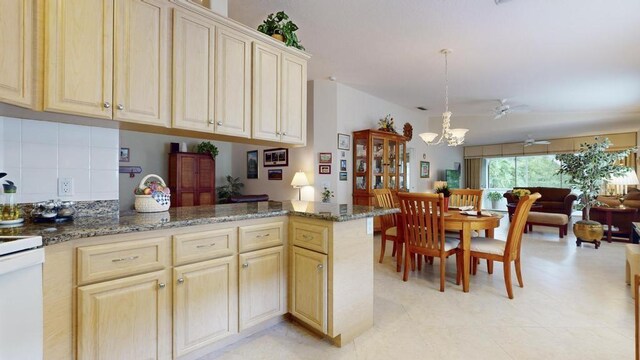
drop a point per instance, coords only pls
(444, 190)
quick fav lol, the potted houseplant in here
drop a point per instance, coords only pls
(588, 169)
(326, 195)
(495, 197)
(207, 147)
(444, 190)
(280, 27)
(231, 188)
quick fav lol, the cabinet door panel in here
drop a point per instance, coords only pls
(187, 171)
(309, 293)
(266, 92)
(79, 57)
(141, 71)
(233, 88)
(206, 303)
(16, 55)
(193, 72)
(127, 318)
(294, 100)
(262, 286)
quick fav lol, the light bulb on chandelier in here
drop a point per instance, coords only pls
(453, 137)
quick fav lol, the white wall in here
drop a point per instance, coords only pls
(35, 154)
(150, 151)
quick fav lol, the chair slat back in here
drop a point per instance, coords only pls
(384, 198)
(423, 221)
(466, 197)
(518, 222)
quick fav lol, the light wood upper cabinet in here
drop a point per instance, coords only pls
(294, 100)
(267, 66)
(16, 52)
(193, 72)
(127, 318)
(141, 73)
(262, 286)
(206, 303)
(309, 287)
(233, 85)
(79, 57)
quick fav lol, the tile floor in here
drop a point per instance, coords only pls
(575, 305)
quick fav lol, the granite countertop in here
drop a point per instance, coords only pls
(131, 221)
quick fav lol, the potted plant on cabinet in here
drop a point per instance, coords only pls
(231, 188)
(495, 197)
(280, 27)
(444, 190)
(588, 169)
(206, 147)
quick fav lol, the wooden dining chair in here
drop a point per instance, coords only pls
(466, 197)
(505, 251)
(389, 229)
(422, 225)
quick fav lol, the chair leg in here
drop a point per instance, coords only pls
(474, 266)
(407, 255)
(393, 250)
(443, 263)
(399, 254)
(507, 278)
(382, 246)
(490, 266)
(419, 263)
(519, 273)
(561, 231)
(458, 267)
(412, 256)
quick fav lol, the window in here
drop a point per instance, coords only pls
(525, 171)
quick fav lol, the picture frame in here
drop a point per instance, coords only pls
(124, 154)
(325, 158)
(424, 169)
(252, 164)
(275, 157)
(344, 141)
(343, 176)
(274, 174)
(324, 169)
(343, 165)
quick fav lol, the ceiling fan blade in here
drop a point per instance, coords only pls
(498, 115)
(541, 142)
(520, 108)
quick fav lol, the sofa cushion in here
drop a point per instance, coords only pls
(551, 205)
(553, 194)
(547, 218)
(633, 195)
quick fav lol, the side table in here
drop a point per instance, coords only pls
(636, 232)
(609, 213)
(511, 208)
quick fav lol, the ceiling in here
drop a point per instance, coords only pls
(556, 56)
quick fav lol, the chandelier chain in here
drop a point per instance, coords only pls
(446, 83)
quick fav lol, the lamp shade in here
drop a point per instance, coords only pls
(628, 178)
(299, 180)
(428, 137)
(459, 133)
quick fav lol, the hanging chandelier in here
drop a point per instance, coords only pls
(453, 137)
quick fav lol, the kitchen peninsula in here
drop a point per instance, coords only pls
(186, 282)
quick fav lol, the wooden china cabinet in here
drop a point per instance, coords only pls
(379, 162)
(192, 179)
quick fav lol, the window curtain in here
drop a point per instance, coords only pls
(472, 173)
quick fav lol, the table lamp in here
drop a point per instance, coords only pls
(299, 181)
(622, 181)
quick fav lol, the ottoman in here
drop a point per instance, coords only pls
(633, 264)
(560, 221)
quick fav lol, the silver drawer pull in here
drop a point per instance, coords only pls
(320, 266)
(307, 237)
(130, 258)
(180, 281)
(161, 285)
(260, 235)
(205, 246)
(245, 265)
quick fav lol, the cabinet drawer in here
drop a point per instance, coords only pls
(310, 236)
(205, 245)
(262, 236)
(110, 261)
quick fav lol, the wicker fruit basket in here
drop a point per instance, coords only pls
(152, 196)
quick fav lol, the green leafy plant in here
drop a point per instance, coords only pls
(207, 147)
(387, 124)
(494, 196)
(589, 168)
(520, 192)
(231, 188)
(279, 23)
(326, 194)
(444, 190)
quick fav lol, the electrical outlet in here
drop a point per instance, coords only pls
(65, 186)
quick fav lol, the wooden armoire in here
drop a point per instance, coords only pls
(192, 179)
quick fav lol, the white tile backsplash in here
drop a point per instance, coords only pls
(35, 154)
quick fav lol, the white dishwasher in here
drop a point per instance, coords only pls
(21, 324)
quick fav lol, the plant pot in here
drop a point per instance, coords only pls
(494, 204)
(446, 204)
(588, 231)
(278, 37)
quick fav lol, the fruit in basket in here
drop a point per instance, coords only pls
(148, 191)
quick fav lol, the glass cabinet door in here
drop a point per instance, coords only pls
(392, 164)
(361, 148)
(377, 163)
(401, 167)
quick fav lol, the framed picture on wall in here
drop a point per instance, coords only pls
(343, 176)
(343, 165)
(275, 174)
(275, 157)
(252, 164)
(325, 158)
(124, 154)
(344, 141)
(424, 169)
(324, 169)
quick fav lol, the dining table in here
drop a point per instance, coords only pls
(456, 220)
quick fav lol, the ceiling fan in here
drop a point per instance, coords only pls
(503, 109)
(531, 141)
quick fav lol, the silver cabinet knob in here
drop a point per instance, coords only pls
(277, 132)
(320, 266)
(120, 107)
(180, 281)
(284, 133)
(245, 265)
(219, 123)
(211, 121)
(106, 104)
(162, 285)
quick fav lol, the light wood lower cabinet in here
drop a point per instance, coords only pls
(309, 287)
(205, 303)
(262, 286)
(128, 318)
